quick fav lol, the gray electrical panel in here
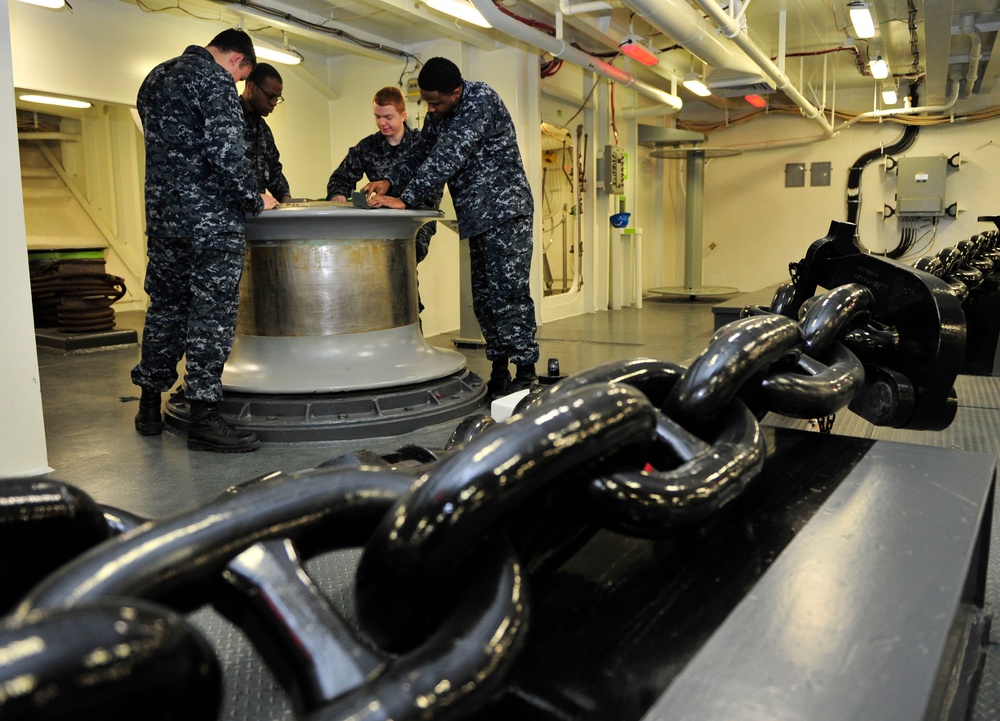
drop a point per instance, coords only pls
(819, 174)
(795, 175)
(614, 167)
(920, 187)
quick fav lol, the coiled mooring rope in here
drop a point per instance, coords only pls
(67, 295)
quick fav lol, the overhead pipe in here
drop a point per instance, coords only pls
(561, 49)
(648, 111)
(579, 9)
(732, 30)
(889, 112)
(585, 7)
(799, 142)
(968, 26)
(743, 11)
(686, 26)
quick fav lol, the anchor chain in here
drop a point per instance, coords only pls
(450, 538)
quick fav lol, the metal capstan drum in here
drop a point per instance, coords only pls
(328, 332)
(328, 302)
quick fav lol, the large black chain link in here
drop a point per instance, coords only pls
(450, 538)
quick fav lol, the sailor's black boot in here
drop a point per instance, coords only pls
(208, 431)
(149, 420)
(524, 378)
(499, 382)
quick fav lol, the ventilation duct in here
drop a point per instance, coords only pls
(729, 84)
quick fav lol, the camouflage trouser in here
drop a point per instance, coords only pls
(424, 240)
(501, 298)
(423, 246)
(194, 294)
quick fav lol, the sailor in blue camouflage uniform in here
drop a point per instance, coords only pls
(468, 141)
(261, 95)
(199, 184)
(375, 155)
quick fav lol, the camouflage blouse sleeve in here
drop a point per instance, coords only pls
(277, 184)
(345, 178)
(412, 157)
(225, 139)
(451, 149)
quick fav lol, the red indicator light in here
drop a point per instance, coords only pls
(638, 52)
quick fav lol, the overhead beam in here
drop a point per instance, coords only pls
(992, 68)
(937, 47)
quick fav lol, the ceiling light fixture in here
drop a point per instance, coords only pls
(889, 96)
(633, 46)
(696, 86)
(861, 19)
(459, 9)
(286, 57)
(756, 100)
(879, 68)
(51, 4)
(51, 100)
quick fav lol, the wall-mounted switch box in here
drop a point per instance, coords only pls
(920, 187)
(795, 175)
(819, 174)
(614, 166)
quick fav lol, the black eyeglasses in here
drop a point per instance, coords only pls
(271, 97)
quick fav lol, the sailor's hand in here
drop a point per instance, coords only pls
(378, 187)
(270, 201)
(386, 201)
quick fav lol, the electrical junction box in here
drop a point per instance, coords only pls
(920, 187)
(412, 89)
(795, 175)
(614, 166)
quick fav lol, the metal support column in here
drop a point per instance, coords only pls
(694, 213)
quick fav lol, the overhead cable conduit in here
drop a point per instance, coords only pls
(905, 142)
(890, 112)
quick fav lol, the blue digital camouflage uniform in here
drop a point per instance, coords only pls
(374, 157)
(264, 156)
(474, 150)
(199, 184)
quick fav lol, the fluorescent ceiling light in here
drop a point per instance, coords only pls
(53, 4)
(862, 20)
(288, 57)
(697, 87)
(889, 96)
(756, 100)
(50, 100)
(633, 47)
(459, 9)
(879, 68)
